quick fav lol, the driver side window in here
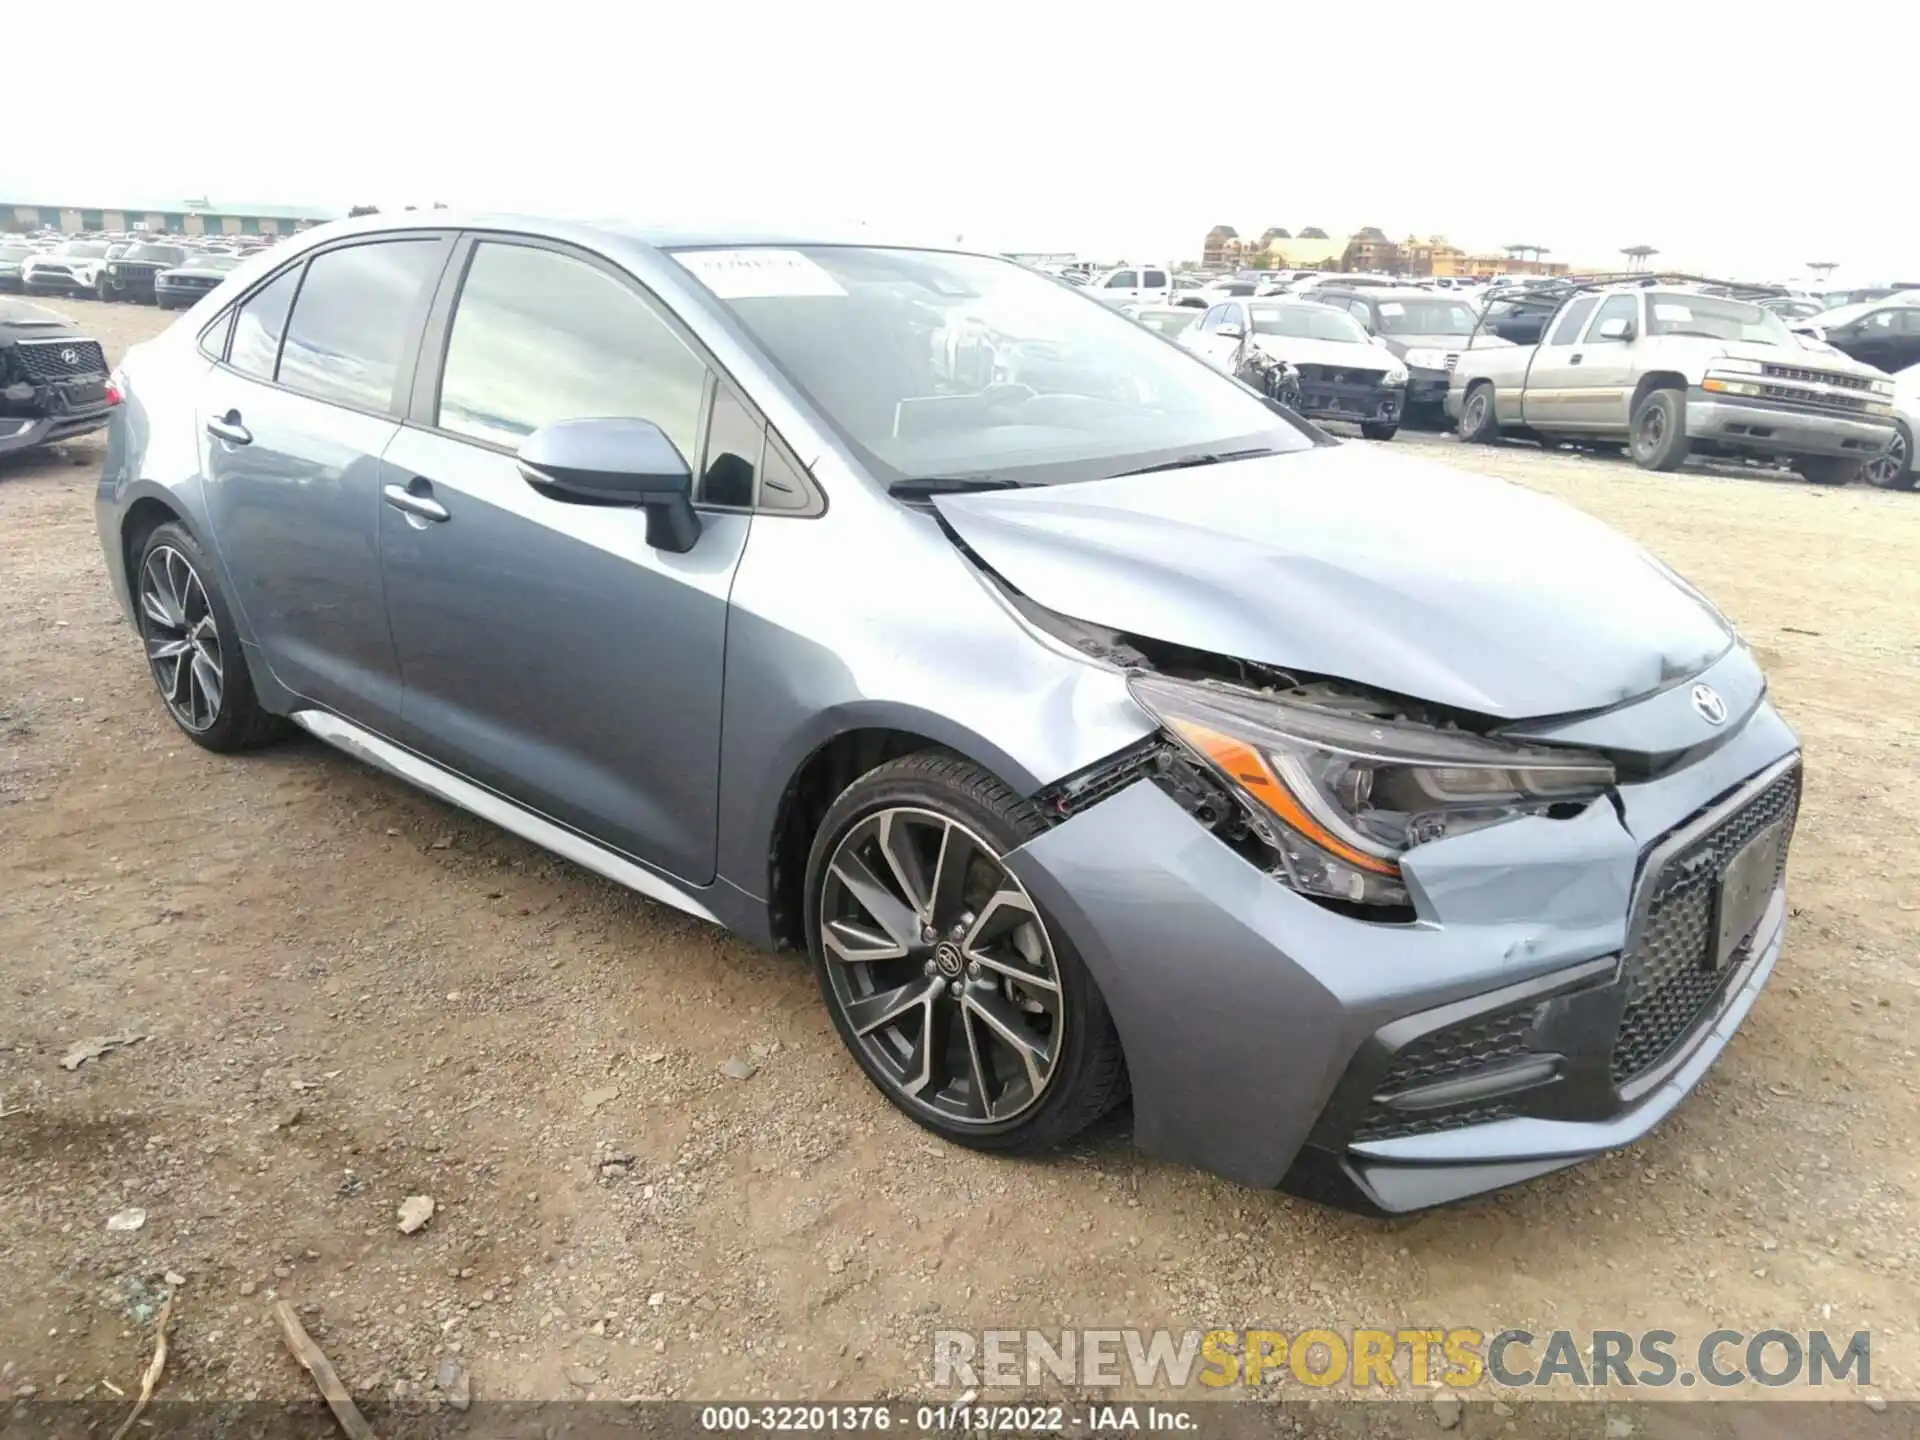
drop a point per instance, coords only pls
(1617, 307)
(1121, 280)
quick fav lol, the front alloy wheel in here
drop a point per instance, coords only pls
(183, 639)
(1893, 468)
(941, 966)
(961, 999)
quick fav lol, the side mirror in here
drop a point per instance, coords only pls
(1617, 328)
(629, 464)
(1230, 332)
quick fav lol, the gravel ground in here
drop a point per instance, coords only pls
(349, 994)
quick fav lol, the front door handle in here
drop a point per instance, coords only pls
(227, 427)
(1573, 360)
(411, 502)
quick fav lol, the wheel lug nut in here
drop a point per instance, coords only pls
(929, 968)
(929, 934)
(954, 989)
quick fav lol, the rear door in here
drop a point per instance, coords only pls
(1154, 285)
(549, 652)
(307, 394)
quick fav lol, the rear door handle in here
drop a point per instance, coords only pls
(1573, 360)
(410, 501)
(227, 427)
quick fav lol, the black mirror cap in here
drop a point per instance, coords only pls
(630, 464)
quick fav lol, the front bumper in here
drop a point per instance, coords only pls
(39, 282)
(21, 432)
(1267, 1037)
(1356, 404)
(1427, 392)
(1768, 429)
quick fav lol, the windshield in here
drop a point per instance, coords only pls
(213, 262)
(163, 254)
(1438, 316)
(1718, 319)
(934, 364)
(84, 250)
(1307, 321)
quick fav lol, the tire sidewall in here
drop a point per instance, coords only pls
(1661, 456)
(1905, 479)
(237, 704)
(1481, 433)
(1086, 1009)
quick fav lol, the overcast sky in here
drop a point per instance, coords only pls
(1747, 139)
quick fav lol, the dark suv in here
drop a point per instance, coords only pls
(131, 276)
(53, 379)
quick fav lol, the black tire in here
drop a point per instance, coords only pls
(1087, 1075)
(1826, 469)
(1660, 430)
(1375, 431)
(1893, 470)
(235, 720)
(1477, 423)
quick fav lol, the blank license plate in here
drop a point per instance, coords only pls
(1745, 890)
(90, 393)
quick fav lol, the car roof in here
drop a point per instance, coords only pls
(1383, 292)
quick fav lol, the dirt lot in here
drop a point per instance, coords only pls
(350, 994)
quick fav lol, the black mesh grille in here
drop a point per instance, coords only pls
(1671, 987)
(1380, 1123)
(60, 359)
(1332, 375)
(1446, 1054)
(1789, 395)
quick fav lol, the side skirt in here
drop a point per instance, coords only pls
(364, 745)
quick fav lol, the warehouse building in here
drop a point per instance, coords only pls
(174, 217)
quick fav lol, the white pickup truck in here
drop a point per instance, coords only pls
(1132, 285)
(1668, 372)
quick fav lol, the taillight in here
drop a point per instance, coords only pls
(116, 389)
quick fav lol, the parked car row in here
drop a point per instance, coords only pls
(130, 269)
(1666, 370)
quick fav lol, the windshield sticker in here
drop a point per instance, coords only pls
(757, 274)
(1392, 307)
(1671, 312)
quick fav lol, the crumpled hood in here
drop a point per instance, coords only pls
(1783, 355)
(1386, 571)
(1339, 354)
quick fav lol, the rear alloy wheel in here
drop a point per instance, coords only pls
(192, 649)
(942, 973)
(1660, 431)
(1894, 469)
(1375, 431)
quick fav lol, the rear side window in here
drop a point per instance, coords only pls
(260, 324)
(347, 340)
(540, 336)
(1155, 279)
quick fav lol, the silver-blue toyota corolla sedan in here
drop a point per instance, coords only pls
(1096, 725)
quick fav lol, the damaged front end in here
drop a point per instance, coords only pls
(1433, 953)
(52, 390)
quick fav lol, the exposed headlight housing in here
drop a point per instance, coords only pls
(1395, 376)
(1340, 796)
(1734, 365)
(1882, 387)
(1427, 359)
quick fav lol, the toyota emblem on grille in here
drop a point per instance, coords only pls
(69, 356)
(1707, 701)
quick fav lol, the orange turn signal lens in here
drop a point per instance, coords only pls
(1249, 769)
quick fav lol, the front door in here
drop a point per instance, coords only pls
(1598, 399)
(548, 652)
(293, 423)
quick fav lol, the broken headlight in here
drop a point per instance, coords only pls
(1341, 795)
